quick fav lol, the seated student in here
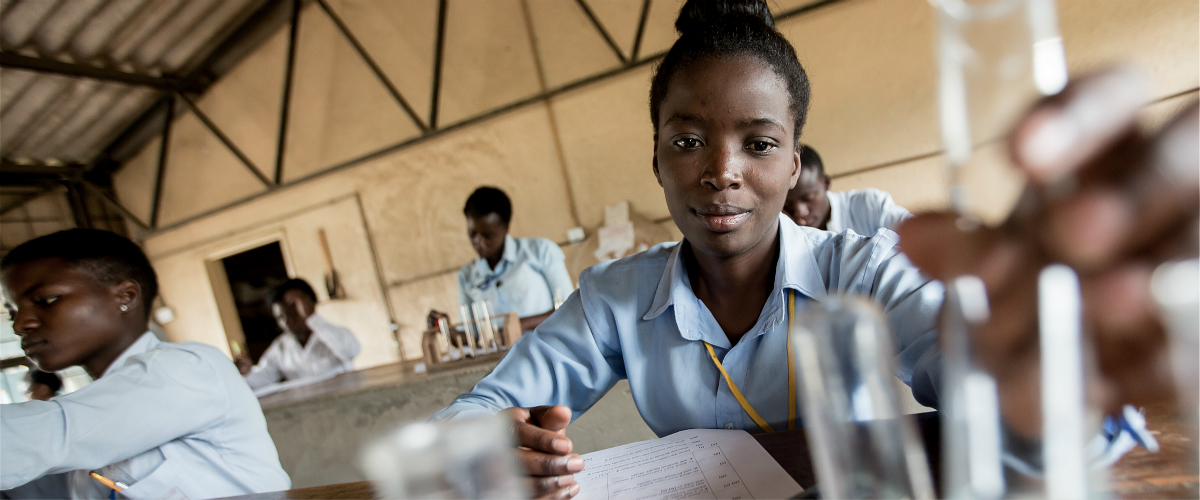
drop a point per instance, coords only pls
(513, 274)
(164, 419)
(864, 211)
(686, 323)
(42, 385)
(309, 346)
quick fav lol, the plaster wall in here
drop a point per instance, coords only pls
(873, 119)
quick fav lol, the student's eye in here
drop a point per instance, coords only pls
(45, 301)
(686, 143)
(760, 147)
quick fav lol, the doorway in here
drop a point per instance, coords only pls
(252, 275)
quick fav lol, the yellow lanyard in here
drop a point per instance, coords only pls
(791, 376)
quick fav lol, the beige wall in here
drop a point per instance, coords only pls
(870, 61)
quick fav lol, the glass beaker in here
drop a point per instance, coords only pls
(460, 459)
(861, 443)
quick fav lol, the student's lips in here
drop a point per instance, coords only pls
(31, 347)
(723, 218)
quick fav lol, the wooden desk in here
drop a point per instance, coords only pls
(1170, 473)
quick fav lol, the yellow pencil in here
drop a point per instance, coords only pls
(116, 485)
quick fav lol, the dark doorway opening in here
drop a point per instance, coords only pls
(252, 275)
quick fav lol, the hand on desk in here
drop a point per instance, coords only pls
(1106, 199)
(545, 451)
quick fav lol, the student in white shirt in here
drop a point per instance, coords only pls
(811, 203)
(310, 346)
(522, 275)
(164, 419)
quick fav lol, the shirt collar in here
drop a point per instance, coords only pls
(797, 269)
(509, 255)
(144, 343)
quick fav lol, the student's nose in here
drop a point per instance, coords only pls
(24, 321)
(723, 169)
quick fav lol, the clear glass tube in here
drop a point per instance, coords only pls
(461, 459)
(861, 443)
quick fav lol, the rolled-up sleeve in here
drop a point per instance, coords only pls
(112, 419)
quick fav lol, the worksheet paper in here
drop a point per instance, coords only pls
(698, 463)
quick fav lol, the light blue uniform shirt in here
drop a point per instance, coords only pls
(863, 211)
(524, 281)
(169, 420)
(638, 318)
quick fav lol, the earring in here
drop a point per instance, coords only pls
(124, 308)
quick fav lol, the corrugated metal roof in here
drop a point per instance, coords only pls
(54, 119)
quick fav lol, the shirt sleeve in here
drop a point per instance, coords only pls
(267, 370)
(890, 214)
(561, 362)
(150, 401)
(554, 266)
(875, 267)
(340, 341)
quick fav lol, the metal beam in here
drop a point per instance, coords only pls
(162, 159)
(439, 48)
(362, 52)
(289, 70)
(79, 211)
(637, 39)
(56, 172)
(212, 127)
(17, 61)
(115, 205)
(603, 33)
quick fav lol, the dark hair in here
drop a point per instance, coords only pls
(726, 28)
(108, 257)
(289, 285)
(48, 379)
(809, 159)
(487, 200)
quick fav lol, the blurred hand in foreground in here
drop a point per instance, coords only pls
(1107, 199)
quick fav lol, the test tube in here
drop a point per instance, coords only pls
(467, 323)
(862, 446)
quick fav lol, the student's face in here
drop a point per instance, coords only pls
(806, 203)
(292, 312)
(66, 317)
(725, 154)
(487, 235)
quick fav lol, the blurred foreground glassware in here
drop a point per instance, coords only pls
(1176, 289)
(995, 58)
(468, 325)
(862, 445)
(444, 460)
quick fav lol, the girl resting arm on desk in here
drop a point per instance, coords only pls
(159, 420)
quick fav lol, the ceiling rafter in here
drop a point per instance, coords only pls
(289, 71)
(362, 52)
(603, 32)
(438, 52)
(41, 65)
(641, 30)
(216, 131)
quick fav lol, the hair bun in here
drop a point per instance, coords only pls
(698, 14)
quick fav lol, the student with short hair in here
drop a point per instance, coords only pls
(163, 419)
(811, 203)
(521, 275)
(310, 346)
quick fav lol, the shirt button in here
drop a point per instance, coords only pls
(729, 425)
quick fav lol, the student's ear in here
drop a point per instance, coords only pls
(654, 162)
(129, 294)
(795, 170)
(826, 181)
